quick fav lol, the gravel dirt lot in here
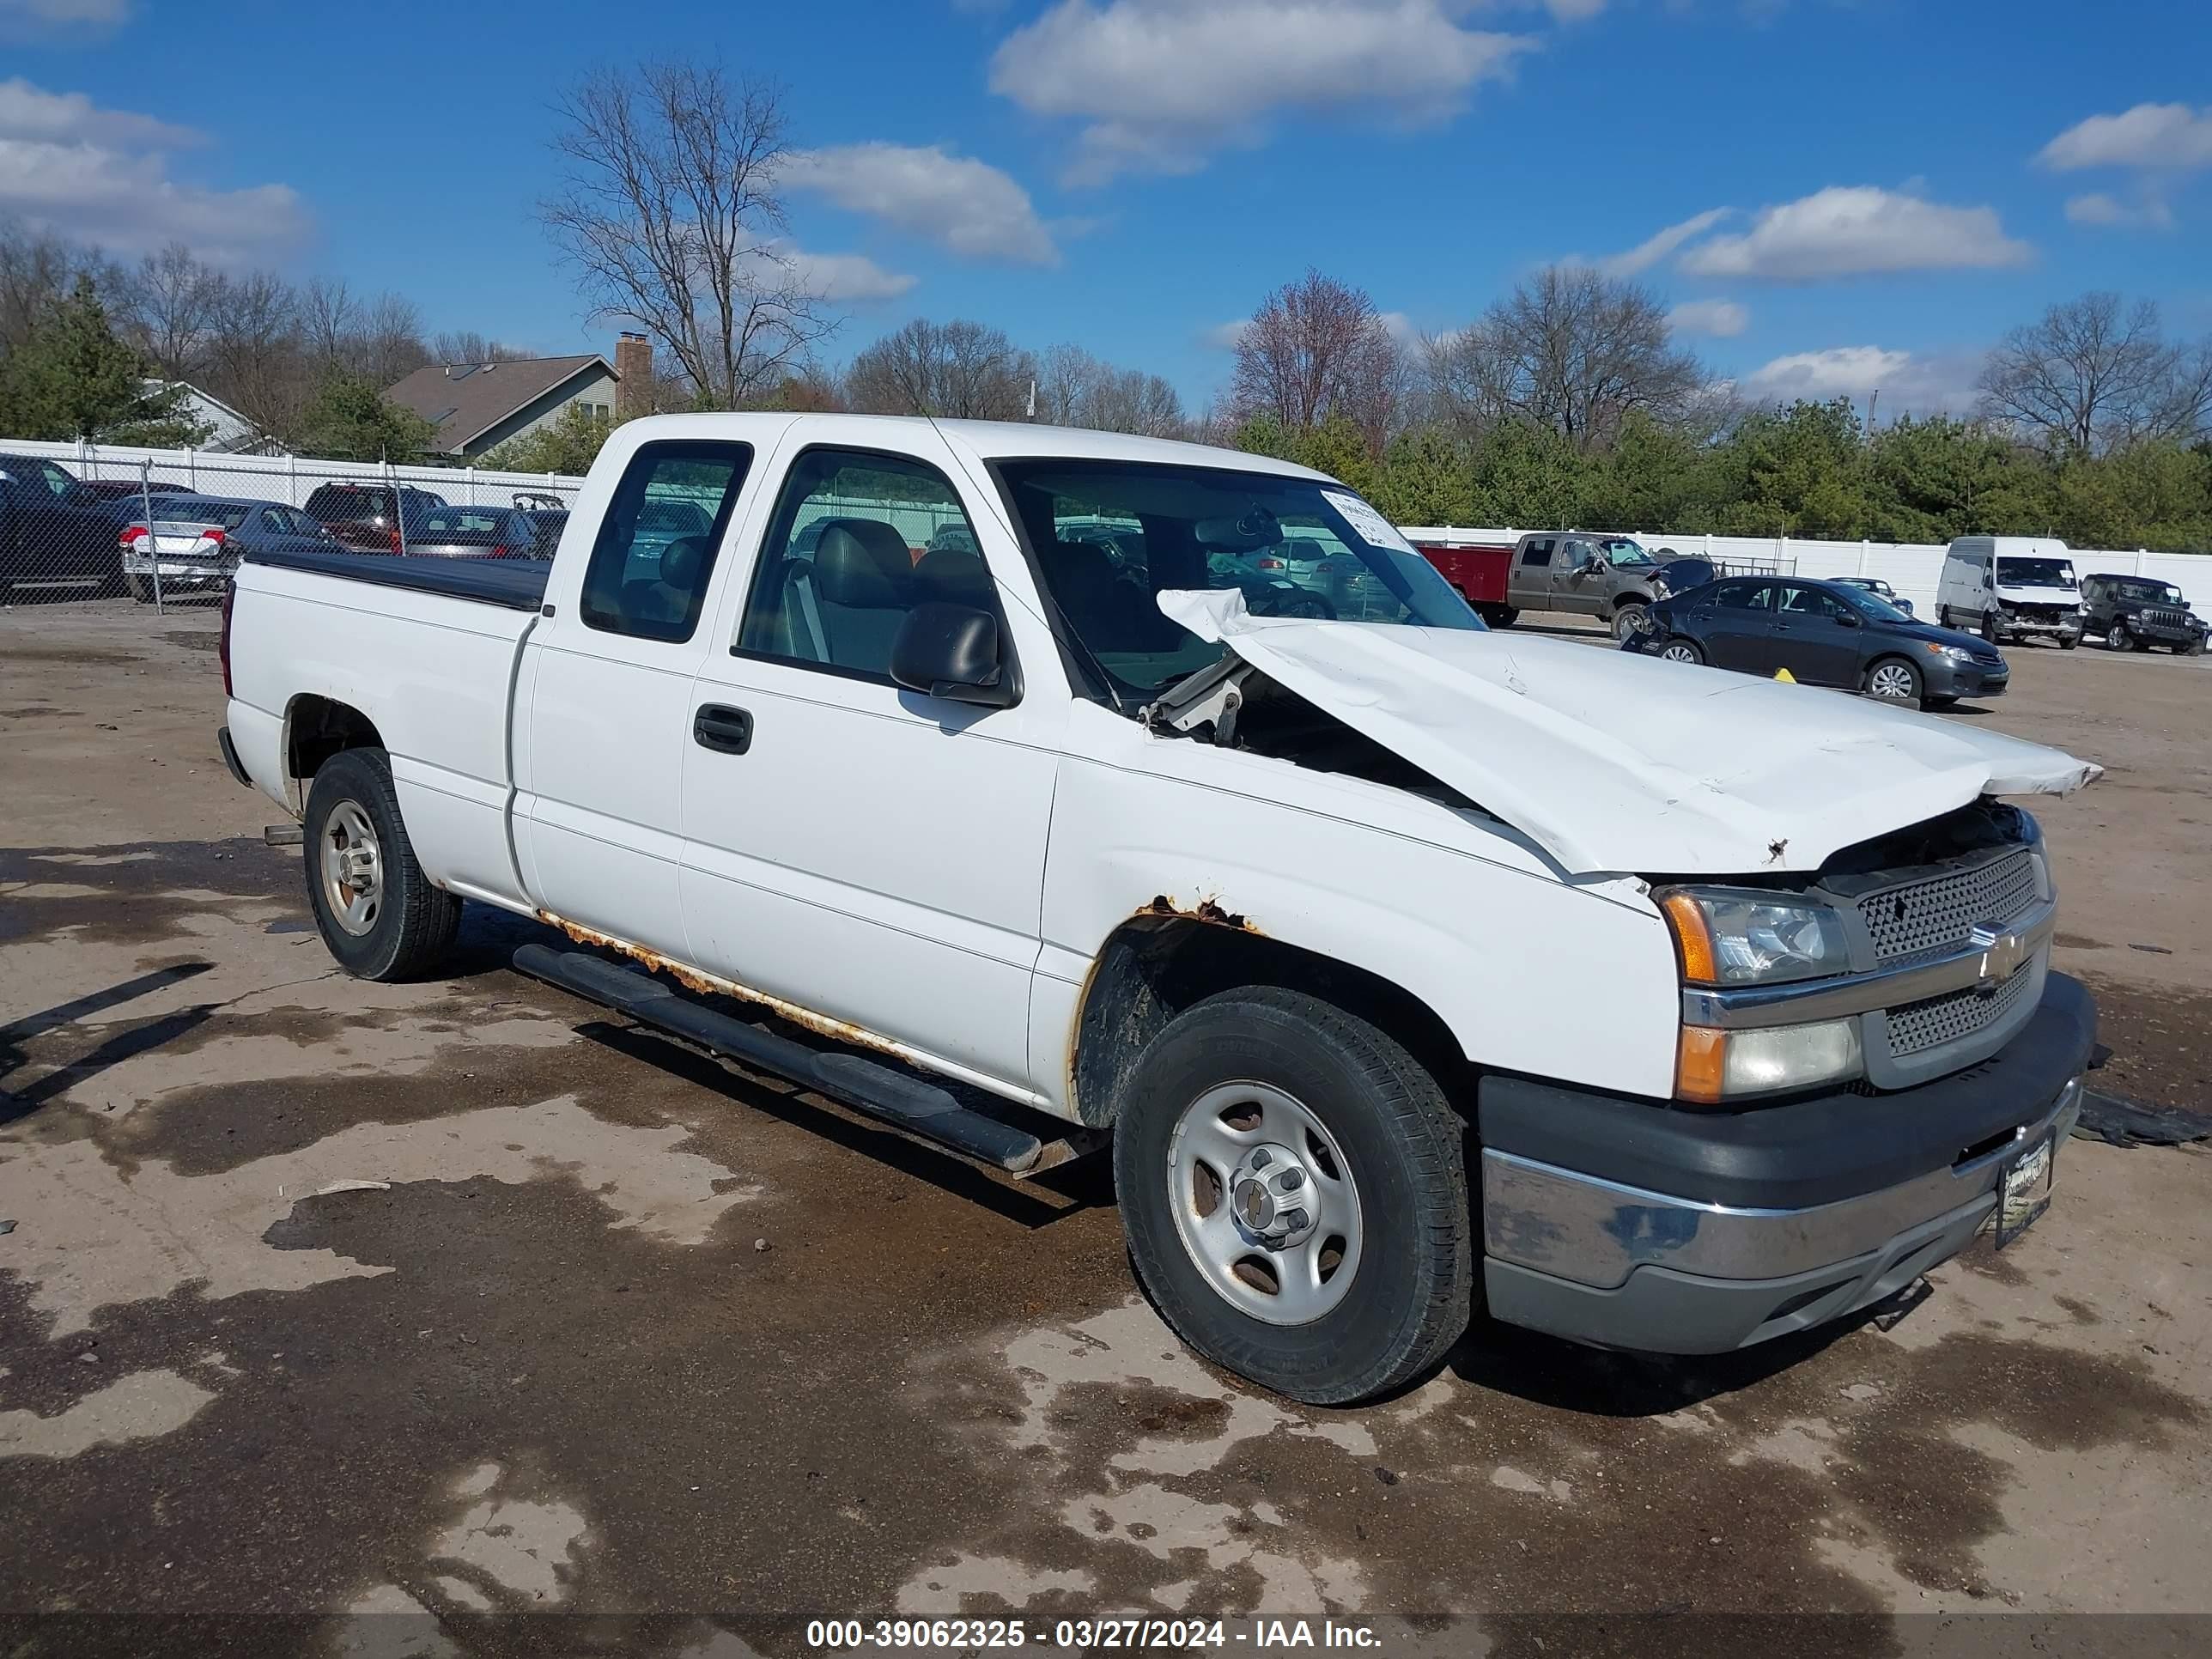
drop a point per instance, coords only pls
(620, 1330)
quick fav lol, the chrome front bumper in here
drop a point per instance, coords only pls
(1613, 1265)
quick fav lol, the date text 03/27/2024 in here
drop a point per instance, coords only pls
(1257, 1635)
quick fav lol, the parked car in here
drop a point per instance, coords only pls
(1825, 634)
(57, 533)
(1880, 589)
(2136, 612)
(361, 516)
(471, 532)
(2011, 588)
(1574, 571)
(1302, 918)
(197, 541)
(126, 496)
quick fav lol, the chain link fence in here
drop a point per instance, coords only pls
(83, 525)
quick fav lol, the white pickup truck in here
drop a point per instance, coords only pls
(958, 771)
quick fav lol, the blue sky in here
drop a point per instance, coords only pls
(1864, 192)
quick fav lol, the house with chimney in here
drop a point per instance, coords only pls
(473, 408)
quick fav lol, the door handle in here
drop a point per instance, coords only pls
(725, 730)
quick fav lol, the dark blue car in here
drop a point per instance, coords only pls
(1825, 634)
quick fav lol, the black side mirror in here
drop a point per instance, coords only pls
(1850, 619)
(952, 651)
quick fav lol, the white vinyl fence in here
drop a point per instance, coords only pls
(1913, 567)
(286, 478)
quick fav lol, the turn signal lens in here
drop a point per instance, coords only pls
(1694, 937)
(1712, 1066)
(1700, 1064)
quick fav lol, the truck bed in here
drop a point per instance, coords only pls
(516, 584)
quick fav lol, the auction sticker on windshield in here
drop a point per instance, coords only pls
(1373, 528)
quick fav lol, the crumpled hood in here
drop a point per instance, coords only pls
(1612, 761)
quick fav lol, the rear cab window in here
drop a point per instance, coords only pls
(654, 556)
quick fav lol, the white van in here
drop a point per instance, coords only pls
(2011, 588)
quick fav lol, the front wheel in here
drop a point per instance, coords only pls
(2194, 648)
(1626, 621)
(1682, 651)
(1893, 680)
(2117, 637)
(2068, 642)
(1294, 1193)
(378, 913)
(1990, 628)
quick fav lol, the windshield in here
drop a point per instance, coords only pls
(1871, 605)
(1621, 550)
(2145, 592)
(1293, 547)
(2035, 573)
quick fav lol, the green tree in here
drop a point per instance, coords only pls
(72, 378)
(350, 420)
(1526, 474)
(1427, 477)
(570, 444)
(1797, 471)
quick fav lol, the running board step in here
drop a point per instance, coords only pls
(910, 1103)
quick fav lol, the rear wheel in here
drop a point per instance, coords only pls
(1682, 651)
(1294, 1194)
(140, 589)
(378, 913)
(1892, 679)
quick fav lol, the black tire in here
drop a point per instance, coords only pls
(412, 924)
(1990, 631)
(1678, 649)
(140, 589)
(2117, 638)
(1499, 615)
(1887, 670)
(1403, 1155)
(1942, 616)
(2194, 648)
(1627, 619)
(2069, 644)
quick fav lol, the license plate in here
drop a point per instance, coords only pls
(2025, 1193)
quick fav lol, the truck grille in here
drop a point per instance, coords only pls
(1954, 1015)
(1932, 917)
(2171, 622)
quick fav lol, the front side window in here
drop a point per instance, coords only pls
(1108, 537)
(858, 541)
(649, 568)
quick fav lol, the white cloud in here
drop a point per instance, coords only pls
(846, 279)
(1225, 337)
(99, 175)
(965, 205)
(1909, 383)
(129, 203)
(49, 19)
(1161, 84)
(1648, 252)
(1858, 230)
(1722, 320)
(2155, 135)
(29, 112)
(2098, 208)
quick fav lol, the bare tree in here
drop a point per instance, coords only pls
(1569, 349)
(172, 307)
(330, 318)
(254, 350)
(2096, 373)
(669, 215)
(387, 346)
(1317, 347)
(1077, 389)
(38, 270)
(956, 371)
(467, 346)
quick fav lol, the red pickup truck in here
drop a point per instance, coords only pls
(1480, 571)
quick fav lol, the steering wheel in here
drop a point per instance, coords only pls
(1289, 599)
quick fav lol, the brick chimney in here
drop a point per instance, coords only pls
(633, 363)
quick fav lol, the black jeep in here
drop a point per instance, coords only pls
(2135, 612)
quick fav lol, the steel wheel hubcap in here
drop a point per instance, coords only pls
(1264, 1202)
(353, 867)
(1892, 682)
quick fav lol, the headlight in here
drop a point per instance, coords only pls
(1950, 652)
(1730, 938)
(1714, 1065)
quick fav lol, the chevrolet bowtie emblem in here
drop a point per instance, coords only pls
(2001, 957)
